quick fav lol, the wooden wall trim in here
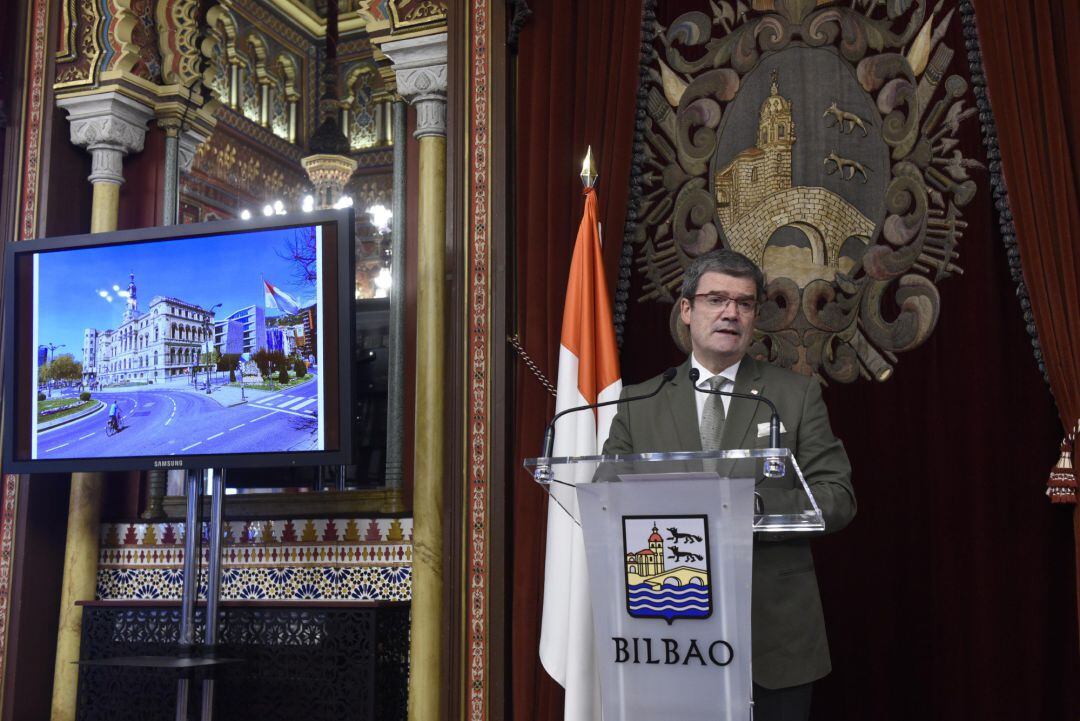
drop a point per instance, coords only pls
(477, 171)
(501, 379)
(456, 600)
(36, 120)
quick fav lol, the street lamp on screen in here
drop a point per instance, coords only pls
(208, 331)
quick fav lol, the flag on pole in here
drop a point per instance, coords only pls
(277, 298)
(588, 373)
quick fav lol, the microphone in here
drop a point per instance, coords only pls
(774, 467)
(549, 432)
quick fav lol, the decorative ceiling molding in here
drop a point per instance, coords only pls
(79, 51)
(259, 135)
(311, 22)
(401, 19)
(112, 36)
(177, 30)
(238, 165)
(164, 100)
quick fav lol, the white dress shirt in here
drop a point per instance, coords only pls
(703, 382)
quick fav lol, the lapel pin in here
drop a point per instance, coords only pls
(753, 391)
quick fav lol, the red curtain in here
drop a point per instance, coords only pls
(951, 594)
(577, 85)
(1032, 65)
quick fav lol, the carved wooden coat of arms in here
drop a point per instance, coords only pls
(821, 140)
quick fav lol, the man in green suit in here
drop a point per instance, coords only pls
(721, 294)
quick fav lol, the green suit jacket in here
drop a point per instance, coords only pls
(788, 628)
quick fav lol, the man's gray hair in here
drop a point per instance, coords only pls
(728, 262)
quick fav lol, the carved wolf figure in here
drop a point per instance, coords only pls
(847, 122)
(847, 167)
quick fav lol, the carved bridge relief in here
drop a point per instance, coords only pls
(826, 220)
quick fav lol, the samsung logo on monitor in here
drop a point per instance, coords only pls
(169, 464)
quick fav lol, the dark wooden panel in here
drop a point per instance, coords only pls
(299, 662)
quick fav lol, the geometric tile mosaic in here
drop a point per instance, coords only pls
(357, 559)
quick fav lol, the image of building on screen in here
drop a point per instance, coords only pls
(220, 360)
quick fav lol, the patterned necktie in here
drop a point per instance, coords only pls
(712, 419)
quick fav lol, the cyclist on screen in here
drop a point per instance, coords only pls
(114, 415)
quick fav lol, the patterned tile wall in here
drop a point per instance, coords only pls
(353, 559)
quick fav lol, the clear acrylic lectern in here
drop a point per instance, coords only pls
(667, 540)
(574, 470)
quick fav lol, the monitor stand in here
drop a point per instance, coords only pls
(214, 479)
(192, 656)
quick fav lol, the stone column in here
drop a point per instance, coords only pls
(109, 125)
(182, 140)
(420, 67)
(171, 191)
(395, 411)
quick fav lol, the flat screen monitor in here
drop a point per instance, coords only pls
(211, 345)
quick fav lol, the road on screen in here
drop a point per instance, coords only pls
(175, 422)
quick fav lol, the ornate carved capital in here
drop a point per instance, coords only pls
(170, 125)
(110, 126)
(188, 117)
(329, 173)
(190, 140)
(115, 132)
(420, 67)
(418, 83)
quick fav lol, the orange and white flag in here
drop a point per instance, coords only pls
(588, 373)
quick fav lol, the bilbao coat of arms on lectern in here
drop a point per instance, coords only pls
(667, 567)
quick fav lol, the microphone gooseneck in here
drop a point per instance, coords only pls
(774, 467)
(549, 432)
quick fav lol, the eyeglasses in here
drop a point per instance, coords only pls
(718, 302)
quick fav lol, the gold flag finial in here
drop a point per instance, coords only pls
(588, 170)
